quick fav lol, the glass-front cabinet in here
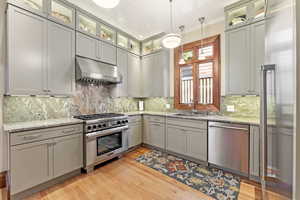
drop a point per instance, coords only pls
(107, 34)
(122, 41)
(157, 44)
(244, 12)
(62, 13)
(87, 24)
(134, 46)
(151, 46)
(36, 6)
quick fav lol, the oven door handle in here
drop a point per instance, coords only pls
(91, 136)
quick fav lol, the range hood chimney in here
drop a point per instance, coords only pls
(92, 71)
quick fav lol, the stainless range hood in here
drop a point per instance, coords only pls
(92, 71)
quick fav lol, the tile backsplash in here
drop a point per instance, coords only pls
(97, 99)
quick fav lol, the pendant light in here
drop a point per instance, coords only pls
(181, 61)
(107, 3)
(202, 20)
(171, 40)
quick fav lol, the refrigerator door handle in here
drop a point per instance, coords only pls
(263, 121)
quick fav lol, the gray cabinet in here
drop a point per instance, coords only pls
(61, 12)
(86, 46)
(134, 76)
(61, 59)
(41, 55)
(108, 53)
(157, 134)
(27, 53)
(38, 7)
(244, 55)
(121, 89)
(156, 67)
(134, 134)
(38, 156)
(254, 151)
(30, 165)
(67, 154)
(238, 61)
(176, 140)
(197, 144)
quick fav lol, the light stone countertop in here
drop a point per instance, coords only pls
(219, 118)
(26, 126)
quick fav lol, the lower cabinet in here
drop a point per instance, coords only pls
(134, 134)
(35, 162)
(154, 131)
(187, 141)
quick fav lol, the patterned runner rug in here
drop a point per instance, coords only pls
(208, 180)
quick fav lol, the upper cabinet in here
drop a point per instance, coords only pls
(244, 12)
(40, 55)
(86, 24)
(35, 6)
(107, 34)
(151, 46)
(62, 13)
(122, 41)
(134, 46)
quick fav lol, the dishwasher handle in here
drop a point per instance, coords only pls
(228, 127)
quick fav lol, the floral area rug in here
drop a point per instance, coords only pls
(208, 180)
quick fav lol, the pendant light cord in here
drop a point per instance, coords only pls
(171, 15)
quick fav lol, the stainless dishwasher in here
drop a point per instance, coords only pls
(228, 146)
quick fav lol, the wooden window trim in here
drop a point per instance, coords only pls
(215, 59)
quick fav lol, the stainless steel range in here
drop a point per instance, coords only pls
(105, 137)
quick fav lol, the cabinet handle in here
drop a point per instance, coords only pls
(31, 137)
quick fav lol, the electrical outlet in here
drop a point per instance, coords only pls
(230, 108)
(168, 106)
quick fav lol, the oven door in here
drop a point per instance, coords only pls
(104, 145)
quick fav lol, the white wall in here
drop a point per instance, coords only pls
(2, 64)
(209, 30)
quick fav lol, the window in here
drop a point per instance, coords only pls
(197, 82)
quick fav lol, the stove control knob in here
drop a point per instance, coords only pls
(126, 121)
(94, 126)
(89, 127)
(99, 126)
(104, 125)
(118, 122)
(123, 121)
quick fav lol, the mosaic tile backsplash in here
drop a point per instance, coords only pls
(97, 99)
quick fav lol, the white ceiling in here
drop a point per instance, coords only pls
(144, 18)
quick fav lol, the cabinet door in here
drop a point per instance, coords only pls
(134, 76)
(161, 74)
(62, 13)
(67, 154)
(146, 131)
(61, 59)
(197, 144)
(176, 140)
(148, 63)
(27, 51)
(121, 90)
(30, 165)
(157, 135)
(254, 151)
(134, 135)
(86, 46)
(108, 53)
(257, 54)
(38, 7)
(238, 61)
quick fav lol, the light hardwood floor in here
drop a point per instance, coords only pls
(126, 179)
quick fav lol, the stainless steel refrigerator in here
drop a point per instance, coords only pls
(278, 78)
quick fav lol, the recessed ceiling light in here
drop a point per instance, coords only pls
(107, 3)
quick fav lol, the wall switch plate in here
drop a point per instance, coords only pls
(230, 108)
(168, 106)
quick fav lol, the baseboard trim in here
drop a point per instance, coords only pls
(3, 179)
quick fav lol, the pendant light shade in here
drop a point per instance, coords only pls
(171, 40)
(107, 3)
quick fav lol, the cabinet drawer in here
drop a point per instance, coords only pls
(42, 134)
(201, 124)
(153, 118)
(135, 119)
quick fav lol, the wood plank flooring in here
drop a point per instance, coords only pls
(126, 179)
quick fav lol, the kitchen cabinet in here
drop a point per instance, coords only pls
(156, 67)
(244, 56)
(122, 41)
(134, 76)
(254, 151)
(86, 46)
(197, 144)
(38, 7)
(86, 24)
(41, 155)
(121, 89)
(61, 59)
(52, 46)
(135, 131)
(67, 154)
(108, 53)
(30, 165)
(238, 61)
(176, 140)
(154, 131)
(107, 34)
(62, 13)
(27, 53)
